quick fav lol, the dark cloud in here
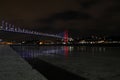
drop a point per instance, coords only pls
(89, 4)
(78, 16)
(64, 20)
(70, 15)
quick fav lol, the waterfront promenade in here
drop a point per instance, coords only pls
(13, 67)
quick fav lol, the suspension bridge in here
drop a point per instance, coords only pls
(9, 28)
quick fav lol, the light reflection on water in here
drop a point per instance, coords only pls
(80, 60)
(34, 51)
(66, 51)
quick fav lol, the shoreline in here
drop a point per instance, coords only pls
(91, 45)
(13, 67)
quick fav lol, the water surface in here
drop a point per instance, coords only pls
(75, 61)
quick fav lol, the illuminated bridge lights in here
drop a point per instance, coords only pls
(11, 28)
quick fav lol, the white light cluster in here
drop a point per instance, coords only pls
(8, 27)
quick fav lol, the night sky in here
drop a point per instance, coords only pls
(82, 17)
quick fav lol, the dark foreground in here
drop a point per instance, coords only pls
(52, 72)
(13, 67)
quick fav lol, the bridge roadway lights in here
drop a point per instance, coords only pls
(8, 27)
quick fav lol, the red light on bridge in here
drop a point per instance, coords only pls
(66, 36)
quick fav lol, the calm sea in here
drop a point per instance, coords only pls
(75, 61)
(66, 51)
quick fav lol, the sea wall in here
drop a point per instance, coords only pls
(13, 67)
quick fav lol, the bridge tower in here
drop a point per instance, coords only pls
(66, 36)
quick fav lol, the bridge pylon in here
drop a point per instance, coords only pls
(66, 36)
